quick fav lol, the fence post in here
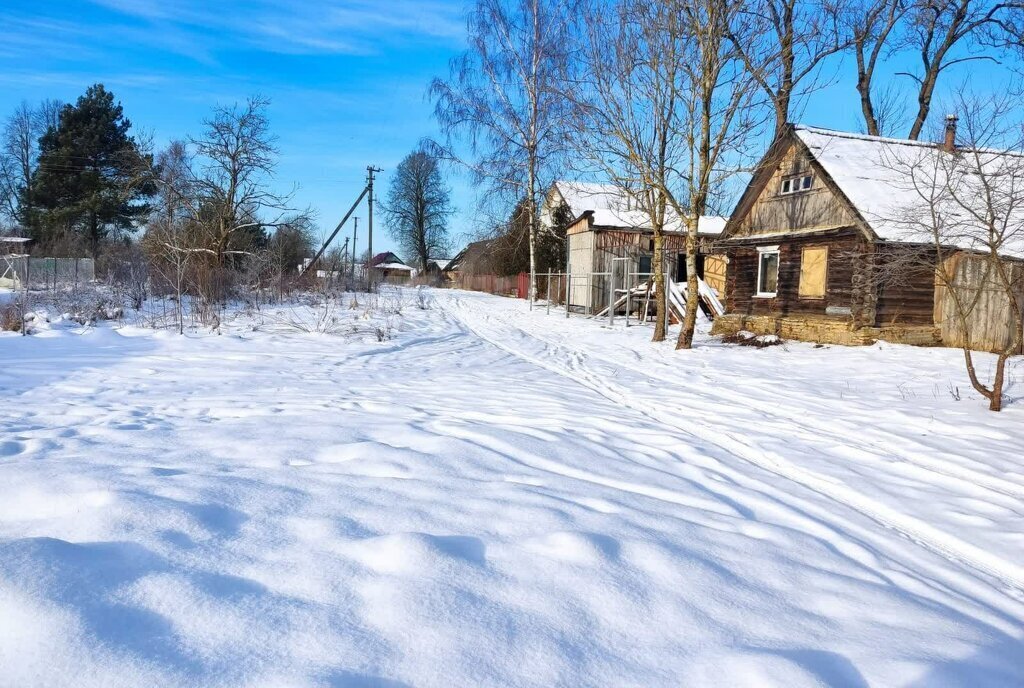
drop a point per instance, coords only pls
(667, 282)
(611, 295)
(549, 292)
(568, 286)
(590, 293)
(629, 291)
(568, 292)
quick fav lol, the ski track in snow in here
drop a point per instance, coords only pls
(575, 369)
(500, 497)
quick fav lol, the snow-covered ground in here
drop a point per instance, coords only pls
(497, 497)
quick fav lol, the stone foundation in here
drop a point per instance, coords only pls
(826, 330)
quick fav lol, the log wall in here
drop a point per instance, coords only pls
(841, 300)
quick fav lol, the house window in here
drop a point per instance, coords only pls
(767, 271)
(644, 266)
(792, 185)
(813, 272)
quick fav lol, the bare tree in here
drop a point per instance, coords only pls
(171, 240)
(236, 157)
(176, 189)
(784, 43)
(626, 105)
(874, 33)
(19, 156)
(936, 29)
(665, 110)
(717, 122)
(418, 207)
(290, 243)
(962, 219)
(505, 96)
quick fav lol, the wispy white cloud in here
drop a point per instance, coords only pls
(329, 27)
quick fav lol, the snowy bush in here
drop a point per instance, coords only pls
(424, 300)
(747, 338)
(10, 317)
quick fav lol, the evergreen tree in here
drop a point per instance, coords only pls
(88, 184)
(510, 250)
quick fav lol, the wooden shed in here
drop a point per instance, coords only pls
(826, 215)
(608, 229)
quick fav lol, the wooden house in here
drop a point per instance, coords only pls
(388, 267)
(608, 229)
(438, 272)
(824, 213)
(475, 259)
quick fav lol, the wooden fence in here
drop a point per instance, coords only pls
(990, 324)
(517, 285)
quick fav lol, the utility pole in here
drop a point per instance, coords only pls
(355, 233)
(341, 268)
(370, 171)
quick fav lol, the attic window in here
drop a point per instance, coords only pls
(792, 185)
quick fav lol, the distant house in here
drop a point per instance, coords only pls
(475, 259)
(824, 212)
(388, 267)
(608, 228)
(437, 271)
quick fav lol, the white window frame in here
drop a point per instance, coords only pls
(793, 185)
(762, 251)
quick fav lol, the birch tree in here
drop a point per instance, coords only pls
(626, 106)
(717, 122)
(169, 242)
(503, 99)
(666, 112)
(19, 156)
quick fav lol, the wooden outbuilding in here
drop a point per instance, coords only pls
(389, 268)
(817, 247)
(607, 229)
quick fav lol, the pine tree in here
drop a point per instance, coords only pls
(88, 184)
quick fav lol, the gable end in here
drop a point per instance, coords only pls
(766, 208)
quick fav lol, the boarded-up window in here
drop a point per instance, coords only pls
(714, 273)
(813, 272)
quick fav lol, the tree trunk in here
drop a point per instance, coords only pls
(867, 108)
(781, 115)
(924, 104)
(685, 340)
(94, 235)
(532, 210)
(995, 402)
(658, 265)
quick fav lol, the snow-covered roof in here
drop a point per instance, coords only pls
(612, 208)
(394, 266)
(385, 257)
(441, 263)
(895, 184)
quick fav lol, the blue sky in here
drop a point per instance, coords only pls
(347, 78)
